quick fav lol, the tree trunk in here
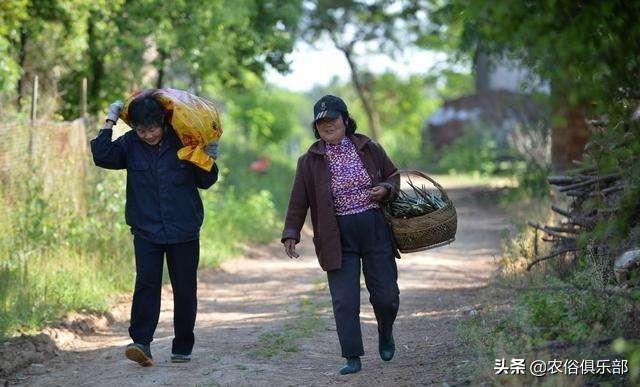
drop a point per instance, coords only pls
(372, 114)
(162, 54)
(194, 83)
(482, 67)
(568, 141)
(22, 56)
(96, 63)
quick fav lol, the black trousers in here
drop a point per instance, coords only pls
(182, 262)
(365, 236)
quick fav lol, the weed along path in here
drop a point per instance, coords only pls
(267, 320)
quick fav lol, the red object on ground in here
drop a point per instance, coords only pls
(261, 165)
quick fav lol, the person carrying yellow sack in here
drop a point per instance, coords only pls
(195, 120)
(168, 156)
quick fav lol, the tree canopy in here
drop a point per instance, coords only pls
(588, 50)
(120, 45)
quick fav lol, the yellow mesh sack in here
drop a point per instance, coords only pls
(195, 120)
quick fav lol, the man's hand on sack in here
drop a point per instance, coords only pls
(212, 149)
(114, 112)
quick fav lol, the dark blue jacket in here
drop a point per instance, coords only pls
(163, 204)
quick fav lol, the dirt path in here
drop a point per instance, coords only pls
(250, 309)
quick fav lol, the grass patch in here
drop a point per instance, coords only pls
(306, 321)
(539, 316)
(64, 244)
(543, 325)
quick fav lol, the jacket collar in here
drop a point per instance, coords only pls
(359, 140)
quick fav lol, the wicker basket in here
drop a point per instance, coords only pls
(428, 231)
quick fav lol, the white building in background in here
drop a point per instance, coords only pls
(506, 74)
(502, 102)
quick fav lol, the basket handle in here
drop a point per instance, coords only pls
(416, 172)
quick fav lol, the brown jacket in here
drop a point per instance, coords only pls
(312, 189)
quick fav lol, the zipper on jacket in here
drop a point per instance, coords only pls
(335, 216)
(360, 154)
(326, 160)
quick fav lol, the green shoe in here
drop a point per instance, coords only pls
(178, 358)
(139, 353)
(387, 348)
(353, 365)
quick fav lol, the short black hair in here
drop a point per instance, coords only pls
(146, 112)
(351, 126)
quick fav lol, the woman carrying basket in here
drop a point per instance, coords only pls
(342, 179)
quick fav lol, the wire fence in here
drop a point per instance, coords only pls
(54, 154)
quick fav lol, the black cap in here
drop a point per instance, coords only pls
(329, 106)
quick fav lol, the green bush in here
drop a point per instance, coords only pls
(233, 219)
(473, 152)
(54, 259)
(573, 315)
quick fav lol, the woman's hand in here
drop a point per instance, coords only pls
(290, 248)
(378, 193)
(114, 111)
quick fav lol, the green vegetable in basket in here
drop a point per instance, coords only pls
(421, 202)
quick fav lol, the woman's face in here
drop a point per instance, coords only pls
(151, 135)
(332, 130)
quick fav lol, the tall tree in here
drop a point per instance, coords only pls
(359, 26)
(32, 27)
(224, 37)
(186, 42)
(123, 44)
(12, 15)
(587, 51)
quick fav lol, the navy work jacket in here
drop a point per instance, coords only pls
(163, 204)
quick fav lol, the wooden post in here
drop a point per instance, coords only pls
(34, 108)
(83, 98)
(535, 243)
(34, 100)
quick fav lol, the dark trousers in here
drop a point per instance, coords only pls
(364, 236)
(182, 262)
